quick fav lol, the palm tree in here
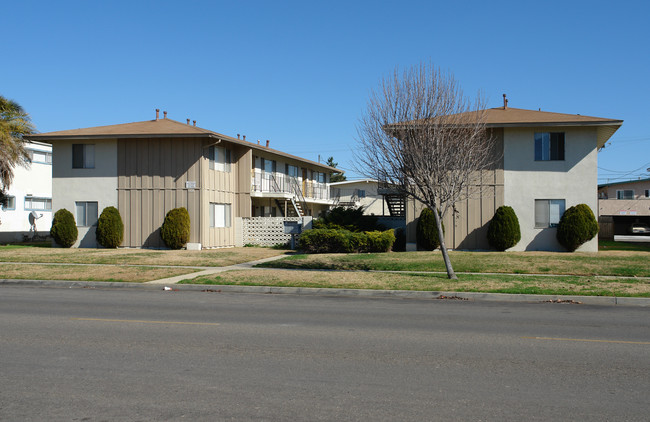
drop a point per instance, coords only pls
(14, 123)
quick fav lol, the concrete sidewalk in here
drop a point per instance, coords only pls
(214, 270)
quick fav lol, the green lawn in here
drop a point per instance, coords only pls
(611, 263)
(486, 283)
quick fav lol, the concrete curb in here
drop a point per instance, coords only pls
(363, 293)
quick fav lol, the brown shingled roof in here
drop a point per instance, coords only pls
(518, 117)
(161, 128)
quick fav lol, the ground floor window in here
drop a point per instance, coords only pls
(220, 215)
(86, 213)
(548, 212)
(10, 203)
(38, 204)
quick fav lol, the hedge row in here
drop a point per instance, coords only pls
(345, 241)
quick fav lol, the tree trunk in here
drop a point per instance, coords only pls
(443, 248)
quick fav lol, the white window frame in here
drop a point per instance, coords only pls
(11, 200)
(87, 156)
(30, 200)
(622, 194)
(220, 158)
(84, 213)
(33, 154)
(548, 212)
(220, 215)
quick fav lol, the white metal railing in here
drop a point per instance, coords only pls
(282, 183)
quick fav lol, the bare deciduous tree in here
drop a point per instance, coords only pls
(423, 136)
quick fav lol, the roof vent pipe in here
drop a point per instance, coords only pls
(505, 102)
(157, 113)
(238, 136)
(244, 137)
(194, 121)
(267, 143)
(188, 121)
(258, 142)
(164, 114)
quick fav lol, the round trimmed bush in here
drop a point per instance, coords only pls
(64, 229)
(504, 231)
(577, 226)
(426, 231)
(175, 231)
(110, 229)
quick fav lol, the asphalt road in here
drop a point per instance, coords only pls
(92, 355)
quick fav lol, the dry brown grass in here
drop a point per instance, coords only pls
(204, 258)
(86, 273)
(432, 282)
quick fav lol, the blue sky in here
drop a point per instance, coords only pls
(299, 72)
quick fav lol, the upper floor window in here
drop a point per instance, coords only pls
(625, 194)
(10, 203)
(319, 177)
(38, 204)
(362, 193)
(43, 157)
(548, 212)
(292, 170)
(86, 213)
(268, 165)
(83, 156)
(219, 158)
(549, 146)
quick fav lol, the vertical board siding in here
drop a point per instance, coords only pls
(151, 181)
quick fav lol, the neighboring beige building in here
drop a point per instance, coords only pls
(620, 204)
(359, 193)
(549, 163)
(147, 168)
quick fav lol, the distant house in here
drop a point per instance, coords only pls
(621, 204)
(548, 164)
(29, 197)
(147, 168)
(357, 193)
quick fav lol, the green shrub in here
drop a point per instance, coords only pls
(380, 241)
(110, 229)
(426, 231)
(324, 241)
(175, 231)
(64, 229)
(504, 231)
(345, 241)
(348, 218)
(577, 226)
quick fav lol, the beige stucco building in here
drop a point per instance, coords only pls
(621, 204)
(145, 169)
(548, 164)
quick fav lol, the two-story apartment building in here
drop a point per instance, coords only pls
(29, 202)
(548, 164)
(622, 204)
(147, 168)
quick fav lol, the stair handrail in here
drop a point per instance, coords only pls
(293, 182)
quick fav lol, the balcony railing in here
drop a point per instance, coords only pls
(282, 183)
